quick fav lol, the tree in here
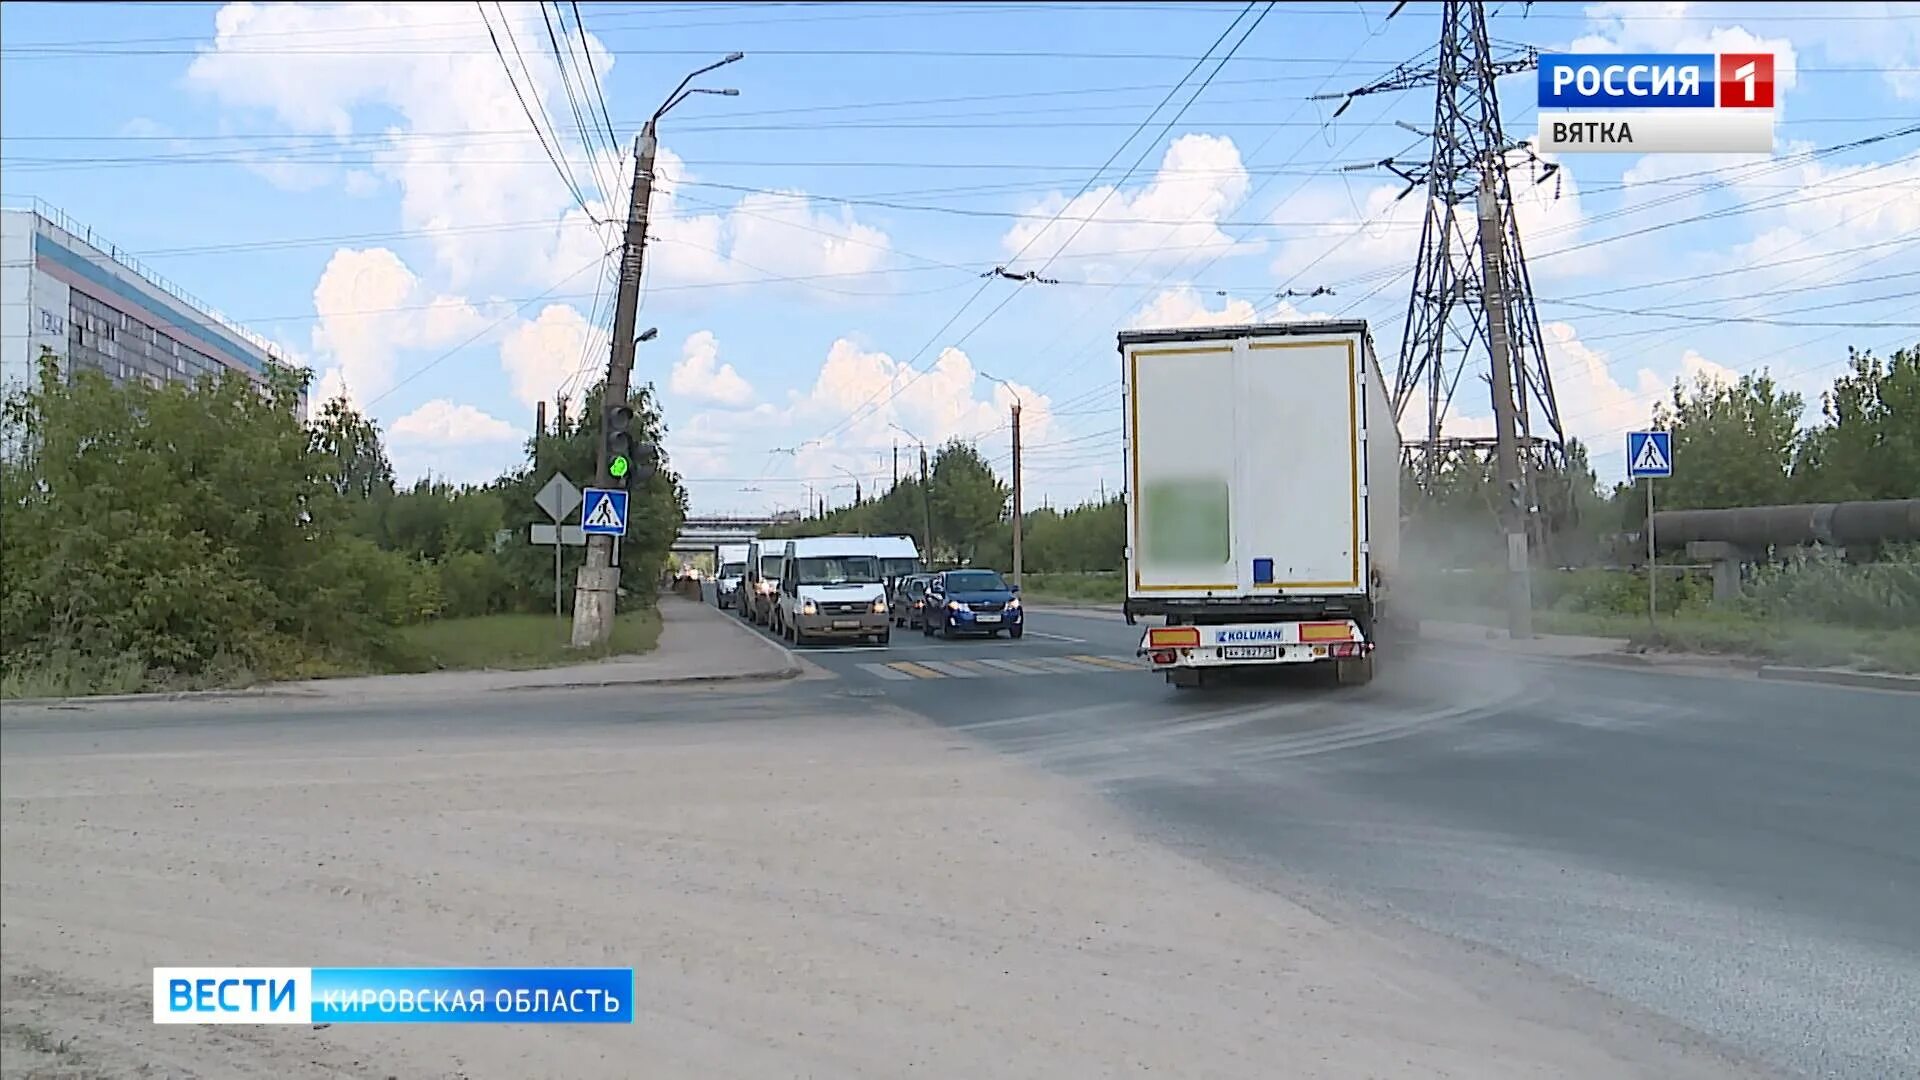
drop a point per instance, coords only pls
(968, 500)
(656, 506)
(349, 444)
(183, 529)
(1734, 444)
(1869, 445)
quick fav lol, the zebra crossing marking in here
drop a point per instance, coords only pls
(997, 668)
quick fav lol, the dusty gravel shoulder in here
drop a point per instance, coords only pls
(812, 886)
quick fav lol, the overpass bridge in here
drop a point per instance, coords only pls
(706, 533)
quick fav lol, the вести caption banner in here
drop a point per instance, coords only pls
(235, 995)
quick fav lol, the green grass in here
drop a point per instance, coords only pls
(1103, 587)
(1803, 643)
(485, 642)
(517, 642)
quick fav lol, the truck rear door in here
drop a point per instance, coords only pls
(1245, 456)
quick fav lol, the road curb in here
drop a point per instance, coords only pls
(165, 695)
(1866, 680)
(791, 671)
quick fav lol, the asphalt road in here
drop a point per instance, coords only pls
(1742, 858)
(1737, 859)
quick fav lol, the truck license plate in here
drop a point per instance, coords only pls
(1250, 652)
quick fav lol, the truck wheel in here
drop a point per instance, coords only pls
(1353, 672)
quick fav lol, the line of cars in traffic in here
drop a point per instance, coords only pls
(861, 588)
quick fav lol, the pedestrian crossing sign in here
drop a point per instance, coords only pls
(606, 513)
(1649, 454)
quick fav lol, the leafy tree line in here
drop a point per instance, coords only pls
(969, 510)
(1735, 444)
(199, 533)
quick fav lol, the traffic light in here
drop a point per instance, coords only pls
(646, 462)
(618, 424)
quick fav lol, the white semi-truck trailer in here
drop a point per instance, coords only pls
(1263, 498)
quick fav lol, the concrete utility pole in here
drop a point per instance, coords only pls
(896, 463)
(1018, 507)
(1016, 493)
(599, 580)
(926, 503)
(1515, 508)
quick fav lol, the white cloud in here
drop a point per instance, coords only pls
(703, 445)
(1183, 307)
(372, 307)
(1827, 208)
(451, 442)
(443, 422)
(1200, 181)
(700, 376)
(434, 105)
(1597, 407)
(555, 351)
(952, 400)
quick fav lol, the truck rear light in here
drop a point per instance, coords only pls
(1163, 657)
(1350, 650)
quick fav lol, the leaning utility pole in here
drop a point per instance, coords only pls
(1016, 494)
(599, 580)
(1514, 509)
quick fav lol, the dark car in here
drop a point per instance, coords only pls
(908, 600)
(971, 602)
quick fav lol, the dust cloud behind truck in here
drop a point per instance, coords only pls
(1263, 497)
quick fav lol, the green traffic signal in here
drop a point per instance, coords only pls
(617, 468)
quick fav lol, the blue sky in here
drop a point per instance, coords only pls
(359, 183)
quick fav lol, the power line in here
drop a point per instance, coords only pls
(1086, 352)
(599, 91)
(987, 280)
(484, 331)
(561, 59)
(565, 176)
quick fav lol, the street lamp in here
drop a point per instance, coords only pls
(648, 334)
(683, 91)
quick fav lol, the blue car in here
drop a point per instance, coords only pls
(971, 602)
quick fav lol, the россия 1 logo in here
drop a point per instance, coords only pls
(1640, 103)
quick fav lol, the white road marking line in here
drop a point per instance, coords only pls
(1017, 667)
(949, 669)
(1067, 666)
(1057, 637)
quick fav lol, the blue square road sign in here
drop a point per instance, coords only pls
(1649, 454)
(605, 513)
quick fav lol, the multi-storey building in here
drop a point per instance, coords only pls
(97, 308)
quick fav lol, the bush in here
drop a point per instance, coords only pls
(1824, 588)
